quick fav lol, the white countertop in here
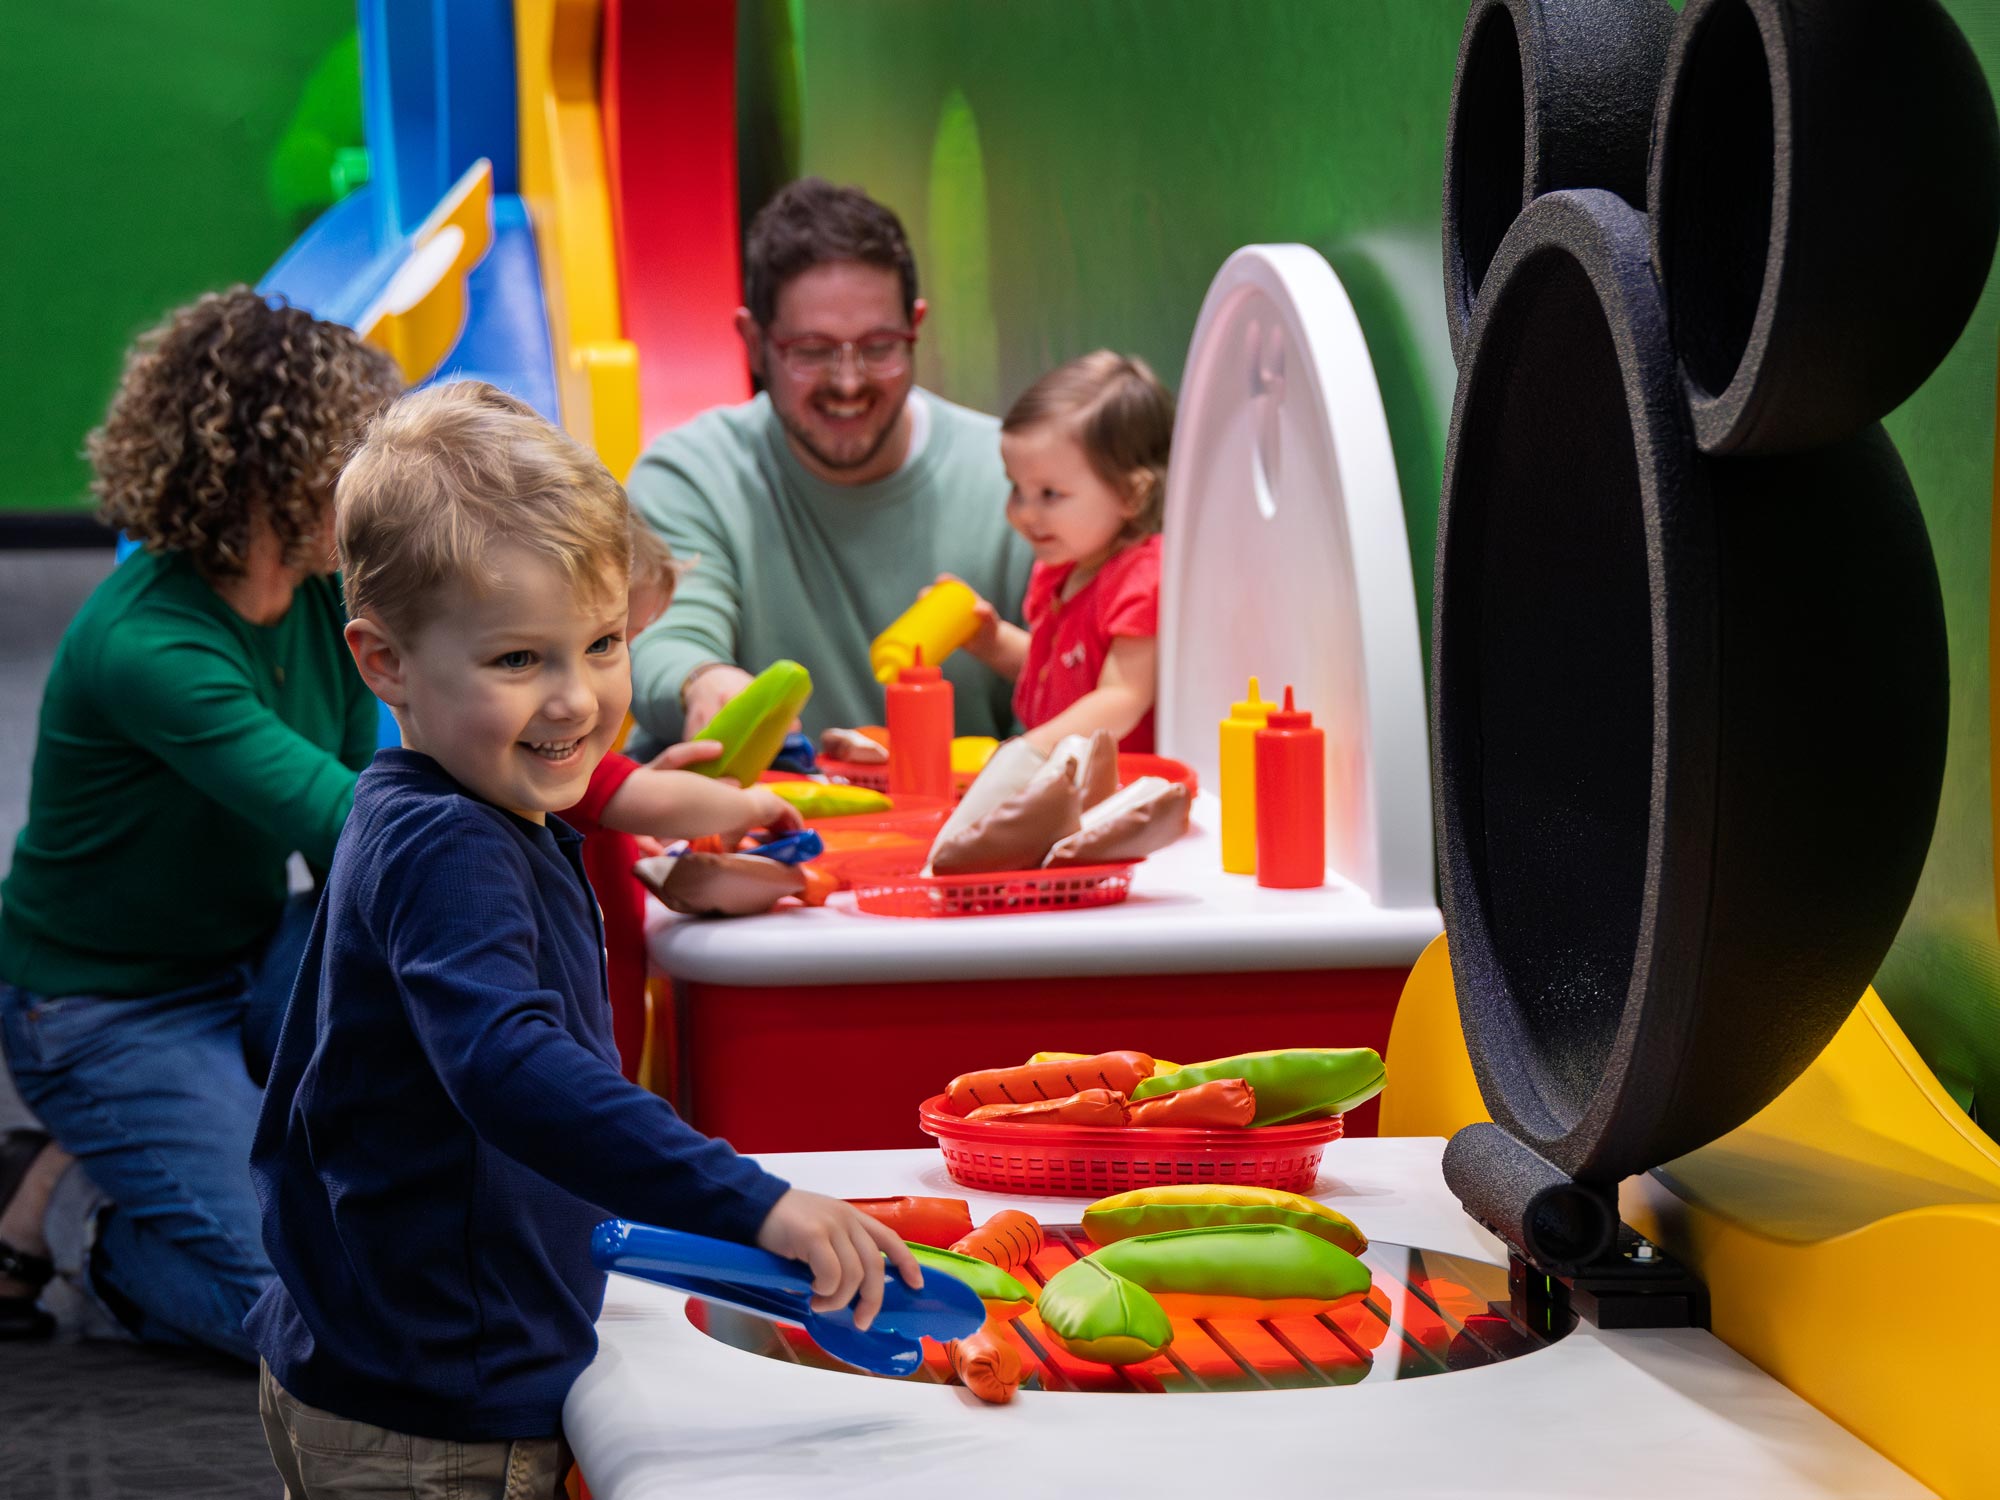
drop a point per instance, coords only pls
(666, 1411)
(1184, 916)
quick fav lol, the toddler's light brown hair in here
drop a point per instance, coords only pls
(446, 474)
(1116, 407)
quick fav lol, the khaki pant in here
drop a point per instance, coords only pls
(321, 1455)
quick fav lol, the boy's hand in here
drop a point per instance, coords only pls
(772, 811)
(987, 635)
(844, 1249)
(687, 753)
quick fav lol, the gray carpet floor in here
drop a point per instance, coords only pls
(90, 1420)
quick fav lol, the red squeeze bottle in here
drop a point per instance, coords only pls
(1291, 800)
(920, 729)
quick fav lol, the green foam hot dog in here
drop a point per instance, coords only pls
(751, 726)
(1238, 1271)
(1003, 1295)
(1299, 1083)
(1097, 1314)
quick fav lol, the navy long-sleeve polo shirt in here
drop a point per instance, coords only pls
(445, 1123)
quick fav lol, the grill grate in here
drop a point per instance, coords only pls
(1428, 1313)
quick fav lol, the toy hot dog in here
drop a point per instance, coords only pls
(1238, 1271)
(1010, 1239)
(1100, 1107)
(1220, 1104)
(1203, 1205)
(1299, 1083)
(1005, 1298)
(1095, 1313)
(988, 1363)
(752, 726)
(922, 1221)
(1160, 1064)
(1121, 1072)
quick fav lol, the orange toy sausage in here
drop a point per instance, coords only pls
(926, 1221)
(1118, 1071)
(1010, 1239)
(1091, 1107)
(1221, 1103)
(988, 1363)
(820, 884)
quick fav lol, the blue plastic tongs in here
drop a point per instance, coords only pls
(770, 1286)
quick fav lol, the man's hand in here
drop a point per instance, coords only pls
(707, 691)
(844, 1249)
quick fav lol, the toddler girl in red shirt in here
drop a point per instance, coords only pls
(1086, 454)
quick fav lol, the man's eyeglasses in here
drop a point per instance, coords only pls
(884, 353)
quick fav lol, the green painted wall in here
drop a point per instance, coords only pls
(1074, 173)
(137, 172)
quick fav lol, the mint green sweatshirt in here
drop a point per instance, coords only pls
(791, 566)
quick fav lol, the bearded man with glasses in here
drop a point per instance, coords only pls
(817, 511)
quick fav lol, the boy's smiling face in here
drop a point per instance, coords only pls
(518, 690)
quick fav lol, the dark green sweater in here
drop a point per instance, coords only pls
(183, 754)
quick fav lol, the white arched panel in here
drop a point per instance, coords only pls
(1286, 557)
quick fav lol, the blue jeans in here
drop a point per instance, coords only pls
(158, 1097)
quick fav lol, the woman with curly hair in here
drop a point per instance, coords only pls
(202, 722)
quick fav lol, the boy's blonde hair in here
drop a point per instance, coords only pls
(1115, 406)
(444, 475)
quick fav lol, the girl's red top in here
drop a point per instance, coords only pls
(1069, 640)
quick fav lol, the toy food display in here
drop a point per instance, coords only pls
(857, 747)
(1007, 773)
(818, 799)
(1300, 1083)
(987, 1363)
(1019, 832)
(945, 617)
(1159, 1064)
(1005, 1298)
(1130, 823)
(1220, 1104)
(1237, 1271)
(752, 726)
(1121, 1072)
(1094, 1313)
(719, 885)
(1101, 1107)
(971, 752)
(923, 1221)
(1010, 1239)
(1201, 1205)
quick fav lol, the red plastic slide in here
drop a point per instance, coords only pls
(668, 93)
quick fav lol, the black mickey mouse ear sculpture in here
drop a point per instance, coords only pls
(1689, 730)
(1825, 186)
(1549, 94)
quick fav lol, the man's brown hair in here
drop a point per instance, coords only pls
(813, 223)
(444, 476)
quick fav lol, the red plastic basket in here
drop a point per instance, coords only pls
(886, 883)
(1089, 1161)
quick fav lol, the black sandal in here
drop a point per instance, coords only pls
(20, 1318)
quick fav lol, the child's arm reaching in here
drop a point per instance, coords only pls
(1124, 692)
(668, 804)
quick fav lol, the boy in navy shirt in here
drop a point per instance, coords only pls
(445, 1120)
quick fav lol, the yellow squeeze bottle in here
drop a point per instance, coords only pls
(940, 622)
(1239, 782)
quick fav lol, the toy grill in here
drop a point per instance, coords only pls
(1427, 1314)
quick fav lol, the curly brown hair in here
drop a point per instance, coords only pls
(811, 222)
(234, 406)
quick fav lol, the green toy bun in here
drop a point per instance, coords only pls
(1296, 1084)
(1094, 1313)
(751, 726)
